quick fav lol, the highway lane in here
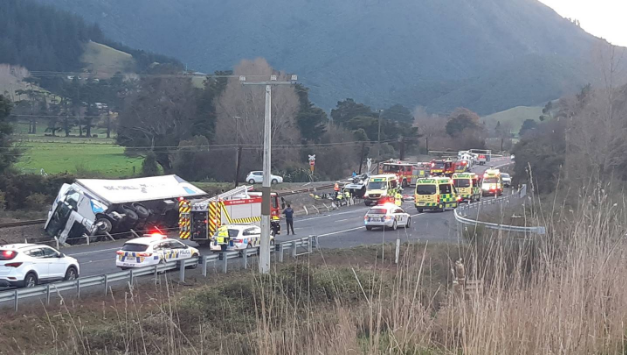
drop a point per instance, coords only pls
(343, 228)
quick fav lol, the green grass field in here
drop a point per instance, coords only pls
(514, 116)
(83, 158)
(105, 61)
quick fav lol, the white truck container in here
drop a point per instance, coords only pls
(99, 206)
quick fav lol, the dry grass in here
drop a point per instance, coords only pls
(560, 294)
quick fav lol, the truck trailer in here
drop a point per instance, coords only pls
(103, 206)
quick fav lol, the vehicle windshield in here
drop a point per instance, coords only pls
(391, 168)
(491, 180)
(425, 189)
(233, 232)
(504, 175)
(131, 247)
(438, 165)
(58, 219)
(378, 185)
(377, 211)
(462, 183)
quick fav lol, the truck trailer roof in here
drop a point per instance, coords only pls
(120, 191)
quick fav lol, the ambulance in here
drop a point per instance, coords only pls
(492, 183)
(435, 193)
(467, 185)
(381, 188)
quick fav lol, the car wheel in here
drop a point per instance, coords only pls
(408, 225)
(274, 181)
(394, 226)
(195, 265)
(251, 181)
(30, 280)
(103, 225)
(369, 228)
(71, 274)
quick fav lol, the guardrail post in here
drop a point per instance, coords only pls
(315, 241)
(245, 258)
(130, 279)
(78, 288)
(293, 249)
(48, 294)
(56, 240)
(225, 262)
(106, 282)
(306, 211)
(182, 271)
(16, 299)
(280, 252)
(310, 244)
(204, 266)
(398, 250)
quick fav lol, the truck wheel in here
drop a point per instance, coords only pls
(420, 210)
(131, 216)
(171, 219)
(103, 225)
(141, 211)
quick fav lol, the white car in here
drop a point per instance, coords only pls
(26, 265)
(507, 179)
(257, 177)
(241, 237)
(151, 250)
(386, 215)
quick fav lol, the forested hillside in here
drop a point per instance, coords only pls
(41, 37)
(485, 55)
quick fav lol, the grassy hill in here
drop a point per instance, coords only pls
(514, 116)
(103, 61)
(482, 54)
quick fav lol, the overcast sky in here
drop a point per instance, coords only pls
(602, 18)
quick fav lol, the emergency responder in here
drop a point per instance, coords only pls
(222, 237)
(398, 199)
(347, 196)
(336, 188)
(289, 219)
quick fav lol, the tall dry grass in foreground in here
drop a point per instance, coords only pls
(558, 294)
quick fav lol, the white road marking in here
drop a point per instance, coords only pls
(342, 231)
(95, 251)
(341, 220)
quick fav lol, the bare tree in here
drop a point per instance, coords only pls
(240, 113)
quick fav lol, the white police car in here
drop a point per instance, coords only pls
(387, 216)
(241, 237)
(151, 250)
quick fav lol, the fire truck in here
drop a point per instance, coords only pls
(200, 219)
(406, 172)
(442, 168)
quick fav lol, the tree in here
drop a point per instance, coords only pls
(398, 113)
(159, 115)
(527, 126)
(311, 120)
(348, 109)
(149, 165)
(9, 154)
(461, 120)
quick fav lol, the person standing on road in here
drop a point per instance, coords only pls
(289, 219)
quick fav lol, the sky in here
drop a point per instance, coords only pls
(602, 18)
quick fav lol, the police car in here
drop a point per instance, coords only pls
(241, 237)
(387, 215)
(151, 250)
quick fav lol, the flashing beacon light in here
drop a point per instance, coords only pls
(181, 198)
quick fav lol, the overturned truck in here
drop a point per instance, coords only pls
(104, 206)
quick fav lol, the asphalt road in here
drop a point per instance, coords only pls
(341, 228)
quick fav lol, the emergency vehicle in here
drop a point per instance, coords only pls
(381, 188)
(442, 168)
(461, 166)
(435, 193)
(467, 185)
(200, 219)
(153, 249)
(406, 172)
(387, 216)
(492, 183)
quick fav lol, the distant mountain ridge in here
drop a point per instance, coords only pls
(486, 55)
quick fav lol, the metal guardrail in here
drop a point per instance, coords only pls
(48, 290)
(540, 230)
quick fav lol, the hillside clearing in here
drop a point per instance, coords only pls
(514, 116)
(103, 61)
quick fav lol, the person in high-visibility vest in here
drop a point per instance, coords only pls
(398, 199)
(222, 237)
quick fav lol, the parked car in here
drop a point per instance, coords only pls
(256, 177)
(507, 179)
(26, 265)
